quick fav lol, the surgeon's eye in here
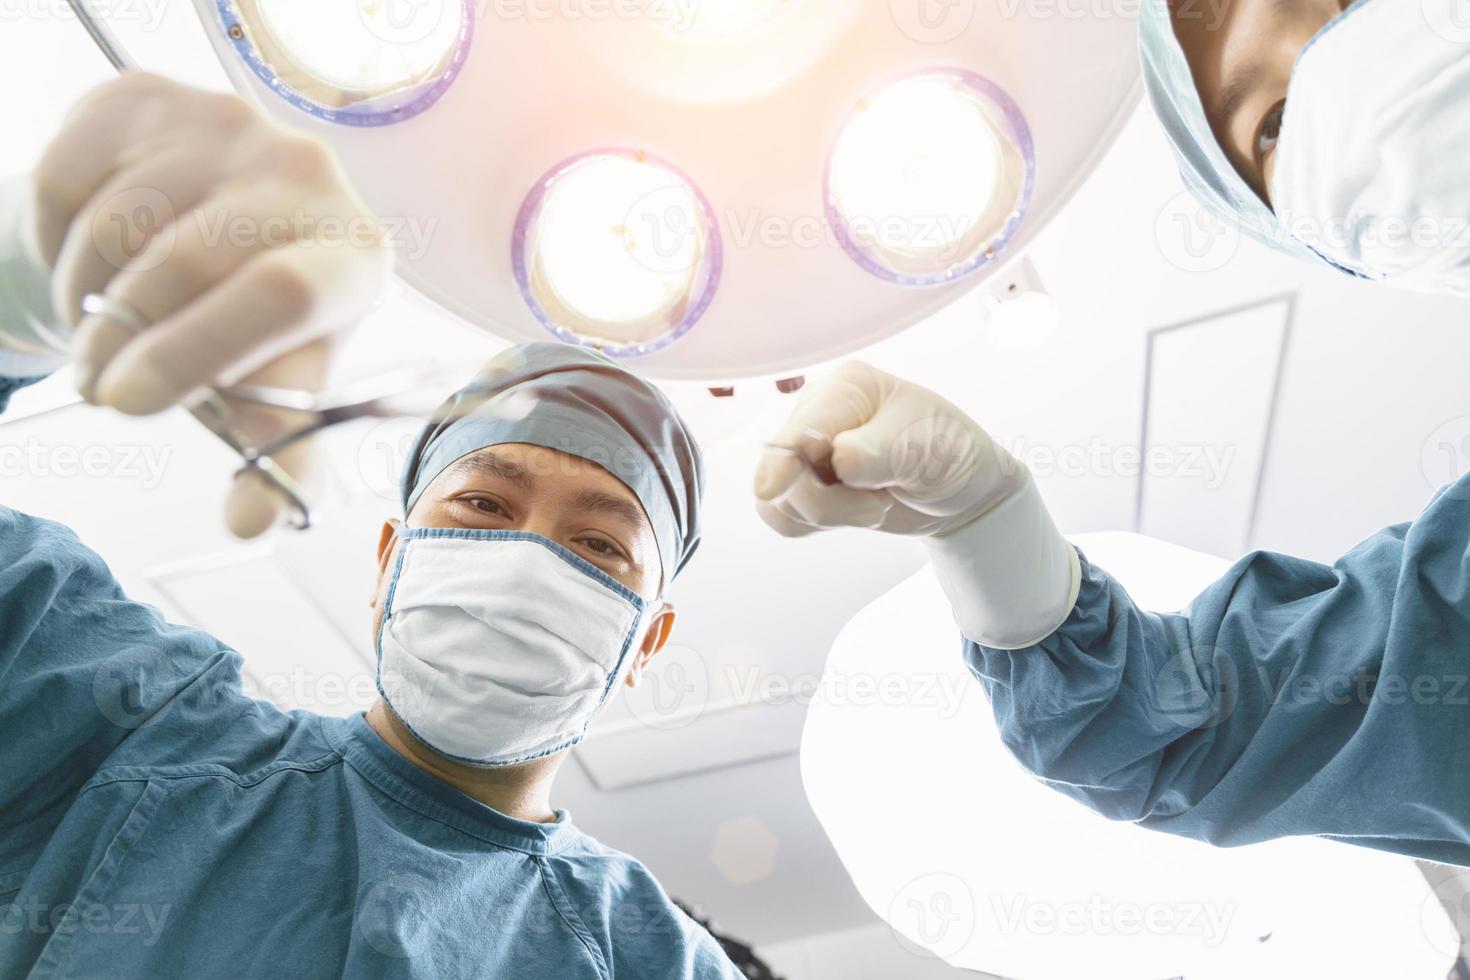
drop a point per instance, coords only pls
(486, 505)
(1269, 131)
(603, 548)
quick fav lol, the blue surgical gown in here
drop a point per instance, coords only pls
(1291, 698)
(156, 822)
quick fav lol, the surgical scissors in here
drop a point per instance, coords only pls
(366, 399)
(107, 42)
(371, 398)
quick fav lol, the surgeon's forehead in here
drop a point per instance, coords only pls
(532, 469)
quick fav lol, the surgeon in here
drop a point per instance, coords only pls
(156, 822)
(1291, 698)
(1330, 131)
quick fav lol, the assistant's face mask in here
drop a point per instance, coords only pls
(499, 647)
(1373, 164)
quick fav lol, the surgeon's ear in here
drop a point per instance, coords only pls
(660, 628)
(386, 537)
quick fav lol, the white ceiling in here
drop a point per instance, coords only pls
(1372, 391)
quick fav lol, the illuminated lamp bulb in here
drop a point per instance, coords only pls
(364, 61)
(930, 177)
(617, 251)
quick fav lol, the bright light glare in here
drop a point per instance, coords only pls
(922, 178)
(721, 20)
(618, 251)
(366, 47)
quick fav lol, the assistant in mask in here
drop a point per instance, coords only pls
(1330, 132)
(547, 509)
(1289, 699)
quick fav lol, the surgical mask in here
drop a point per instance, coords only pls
(1371, 168)
(499, 647)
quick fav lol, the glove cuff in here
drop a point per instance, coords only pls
(31, 344)
(1010, 576)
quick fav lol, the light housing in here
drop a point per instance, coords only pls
(349, 61)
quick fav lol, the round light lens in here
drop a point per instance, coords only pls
(617, 251)
(930, 177)
(365, 62)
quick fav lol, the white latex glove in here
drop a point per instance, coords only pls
(241, 243)
(909, 462)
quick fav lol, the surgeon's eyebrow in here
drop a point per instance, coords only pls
(1239, 85)
(485, 463)
(1243, 74)
(624, 510)
(1232, 94)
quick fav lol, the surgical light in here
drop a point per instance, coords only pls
(1020, 315)
(795, 179)
(359, 61)
(720, 21)
(930, 177)
(617, 251)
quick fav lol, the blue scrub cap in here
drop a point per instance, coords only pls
(1207, 173)
(580, 402)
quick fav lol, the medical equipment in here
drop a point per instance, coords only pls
(722, 190)
(107, 42)
(384, 396)
(367, 399)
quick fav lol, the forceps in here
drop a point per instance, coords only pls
(102, 35)
(366, 399)
(821, 469)
(372, 398)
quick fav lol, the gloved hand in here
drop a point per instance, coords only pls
(241, 243)
(906, 461)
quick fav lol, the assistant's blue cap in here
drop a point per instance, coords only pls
(576, 401)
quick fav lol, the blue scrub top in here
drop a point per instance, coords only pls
(156, 822)
(1291, 698)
